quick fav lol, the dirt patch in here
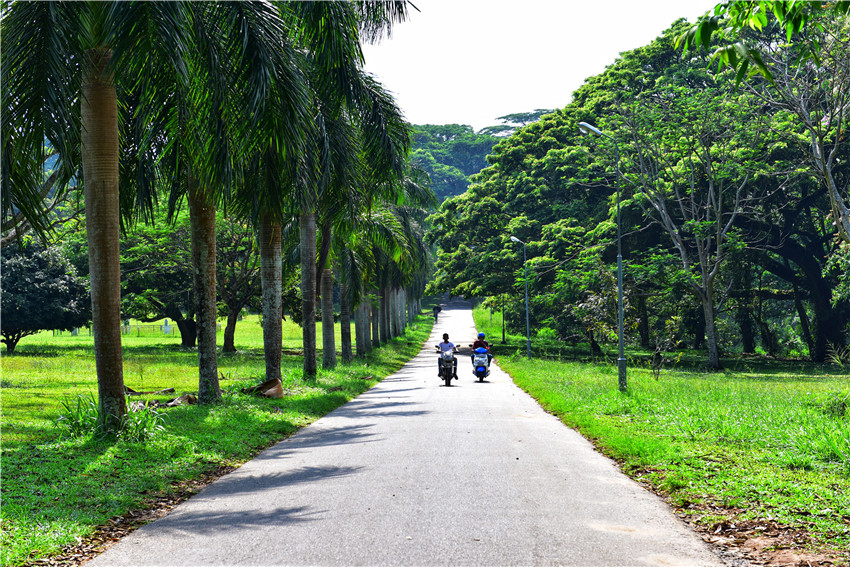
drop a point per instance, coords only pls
(757, 542)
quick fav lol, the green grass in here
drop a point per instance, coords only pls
(768, 441)
(56, 489)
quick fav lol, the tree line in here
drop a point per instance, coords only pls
(734, 192)
(261, 111)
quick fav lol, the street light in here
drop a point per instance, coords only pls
(527, 323)
(621, 362)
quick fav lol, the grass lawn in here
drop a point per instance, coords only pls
(57, 488)
(763, 444)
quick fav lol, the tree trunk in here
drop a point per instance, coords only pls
(345, 324)
(384, 323)
(307, 222)
(745, 324)
(375, 317)
(188, 332)
(359, 331)
(230, 331)
(202, 222)
(100, 146)
(402, 311)
(503, 324)
(805, 328)
(711, 333)
(328, 339)
(271, 274)
(643, 321)
(595, 349)
(392, 313)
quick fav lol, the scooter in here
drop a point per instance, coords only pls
(447, 366)
(480, 363)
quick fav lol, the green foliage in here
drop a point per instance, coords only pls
(450, 154)
(80, 416)
(792, 16)
(141, 424)
(40, 290)
(719, 208)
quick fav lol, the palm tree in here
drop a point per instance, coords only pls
(165, 65)
(60, 57)
(330, 34)
(235, 119)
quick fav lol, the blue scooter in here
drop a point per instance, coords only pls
(481, 363)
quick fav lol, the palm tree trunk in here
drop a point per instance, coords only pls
(100, 143)
(307, 222)
(384, 323)
(402, 310)
(391, 318)
(202, 223)
(397, 325)
(359, 350)
(328, 339)
(345, 324)
(367, 327)
(375, 316)
(271, 274)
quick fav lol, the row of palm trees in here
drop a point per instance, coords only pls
(260, 107)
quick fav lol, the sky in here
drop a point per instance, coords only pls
(471, 61)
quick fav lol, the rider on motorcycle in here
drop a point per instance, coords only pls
(447, 346)
(481, 343)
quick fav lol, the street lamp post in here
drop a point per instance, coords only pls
(527, 322)
(621, 362)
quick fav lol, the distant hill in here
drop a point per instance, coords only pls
(451, 153)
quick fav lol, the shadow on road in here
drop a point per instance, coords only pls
(194, 523)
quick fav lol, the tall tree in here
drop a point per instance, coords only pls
(801, 50)
(60, 57)
(330, 33)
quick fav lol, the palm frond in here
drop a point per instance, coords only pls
(39, 66)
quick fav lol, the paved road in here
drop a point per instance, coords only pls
(416, 473)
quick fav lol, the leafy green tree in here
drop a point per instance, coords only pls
(40, 291)
(802, 51)
(450, 154)
(156, 270)
(524, 118)
(237, 273)
(693, 178)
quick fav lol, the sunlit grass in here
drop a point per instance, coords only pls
(56, 489)
(760, 440)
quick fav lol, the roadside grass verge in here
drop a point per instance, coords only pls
(57, 488)
(764, 443)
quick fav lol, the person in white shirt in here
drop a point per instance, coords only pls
(445, 346)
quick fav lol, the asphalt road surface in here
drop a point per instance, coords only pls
(416, 473)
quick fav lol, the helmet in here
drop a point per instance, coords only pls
(480, 335)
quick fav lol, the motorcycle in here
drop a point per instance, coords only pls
(447, 366)
(480, 363)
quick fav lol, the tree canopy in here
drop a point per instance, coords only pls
(723, 215)
(41, 291)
